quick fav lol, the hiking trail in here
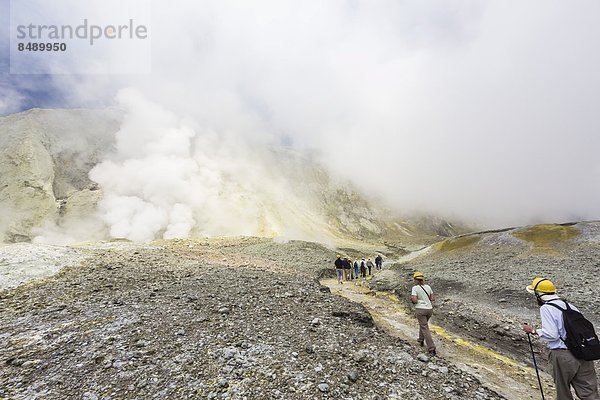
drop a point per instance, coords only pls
(506, 376)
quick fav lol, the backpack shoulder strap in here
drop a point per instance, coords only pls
(557, 306)
(428, 296)
(562, 311)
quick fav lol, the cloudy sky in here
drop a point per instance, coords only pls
(486, 111)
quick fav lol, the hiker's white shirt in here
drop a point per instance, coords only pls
(553, 327)
(423, 301)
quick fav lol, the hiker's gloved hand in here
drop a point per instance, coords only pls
(528, 328)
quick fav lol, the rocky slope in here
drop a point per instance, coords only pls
(225, 189)
(45, 157)
(214, 319)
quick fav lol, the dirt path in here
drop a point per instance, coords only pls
(502, 374)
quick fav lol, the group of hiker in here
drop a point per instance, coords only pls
(347, 270)
(569, 336)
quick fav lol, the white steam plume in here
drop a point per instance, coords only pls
(170, 179)
(485, 111)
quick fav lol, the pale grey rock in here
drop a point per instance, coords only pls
(360, 355)
(386, 280)
(26, 179)
(81, 203)
(45, 157)
(353, 376)
(323, 387)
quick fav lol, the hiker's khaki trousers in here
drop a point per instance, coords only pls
(569, 371)
(423, 316)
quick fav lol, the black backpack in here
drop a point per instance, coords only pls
(581, 339)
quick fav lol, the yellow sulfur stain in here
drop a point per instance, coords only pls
(477, 348)
(456, 243)
(546, 236)
(459, 341)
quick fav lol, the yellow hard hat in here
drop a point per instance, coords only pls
(418, 275)
(541, 285)
(338, 256)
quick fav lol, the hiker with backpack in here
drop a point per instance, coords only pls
(355, 270)
(363, 268)
(422, 297)
(370, 265)
(378, 261)
(572, 342)
(347, 265)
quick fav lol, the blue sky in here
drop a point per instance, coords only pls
(22, 92)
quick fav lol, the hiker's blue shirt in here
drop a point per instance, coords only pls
(553, 327)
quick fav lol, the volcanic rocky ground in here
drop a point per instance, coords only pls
(242, 318)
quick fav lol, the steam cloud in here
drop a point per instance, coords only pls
(483, 111)
(170, 178)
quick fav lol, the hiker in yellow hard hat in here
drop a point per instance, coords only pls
(567, 370)
(541, 286)
(419, 276)
(422, 297)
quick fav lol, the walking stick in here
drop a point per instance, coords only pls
(535, 365)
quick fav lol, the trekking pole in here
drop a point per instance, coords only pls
(535, 365)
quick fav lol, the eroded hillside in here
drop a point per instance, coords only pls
(76, 175)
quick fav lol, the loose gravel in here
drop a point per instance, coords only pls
(240, 318)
